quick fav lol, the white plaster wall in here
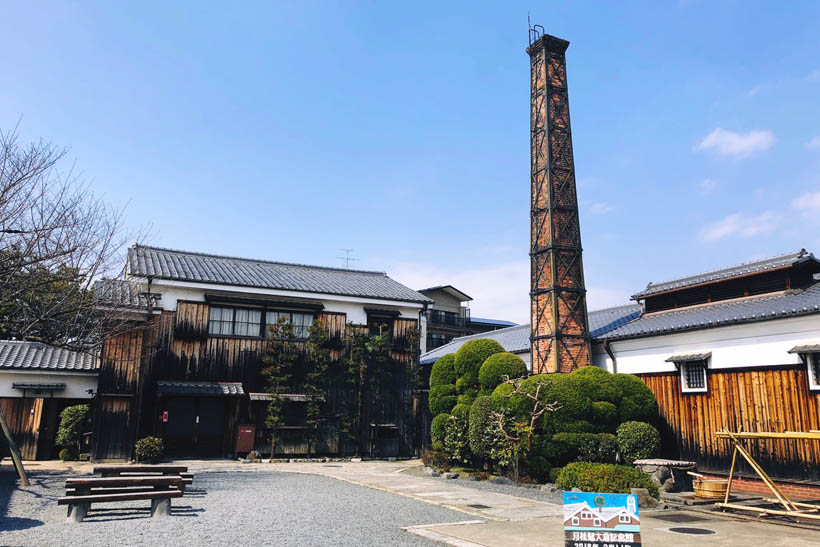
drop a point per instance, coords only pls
(76, 384)
(751, 345)
(174, 291)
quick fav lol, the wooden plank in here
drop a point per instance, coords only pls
(84, 482)
(119, 469)
(161, 494)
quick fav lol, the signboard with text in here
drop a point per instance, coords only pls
(601, 520)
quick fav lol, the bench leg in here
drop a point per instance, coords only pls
(161, 507)
(77, 512)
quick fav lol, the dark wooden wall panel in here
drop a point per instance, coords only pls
(766, 399)
(23, 417)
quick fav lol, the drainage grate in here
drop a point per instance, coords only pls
(679, 517)
(478, 506)
(692, 531)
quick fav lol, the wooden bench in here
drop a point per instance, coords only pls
(82, 492)
(118, 470)
(146, 470)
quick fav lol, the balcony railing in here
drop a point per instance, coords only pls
(447, 319)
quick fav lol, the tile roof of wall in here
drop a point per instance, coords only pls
(171, 387)
(16, 355)
(735, 271)
(224, 270)
(729, 312)
(624, 322)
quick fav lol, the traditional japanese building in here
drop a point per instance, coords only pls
(190, 371)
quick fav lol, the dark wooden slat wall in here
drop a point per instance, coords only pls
(23, 417)
(753, 399)
(176, 346)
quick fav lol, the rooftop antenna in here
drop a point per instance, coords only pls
(535, 31)
(346, 257)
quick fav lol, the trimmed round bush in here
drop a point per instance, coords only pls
(456, 431)
(498, 366)
(576, 426)
(472, 355)
(638, 403)
(604, 477)
(482, 427)
(467, 398)
(148, 449)
(442, 399)
(596, 383)
(461, 411)
(437, 428)
(604, 415)
(68, 454)
(638, 440)
(444, 371)
(74, 421)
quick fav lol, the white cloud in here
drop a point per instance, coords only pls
(730, 143)
(807, 202)
(499, 292)
(740, 225)
(601, 207)
(814, 144)
(707, 186)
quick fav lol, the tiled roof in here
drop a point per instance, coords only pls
(120, 293)
(517, 339)
(735, 271)
(603, 321)
(485, 321)
(39, 356)
(199, 388)
(513, 339)
(808, 348)
(730, 312)
(224, 270)
(689, 357)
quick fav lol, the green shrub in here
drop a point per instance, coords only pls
(585, 447)
(498, 366)
(68, 454)
(439, 460)
(604, 416)
(638, 404)
(456, 435)
(554, 472)
(437, 427)
(604, 477)
(482, 431)
(596, 383)
(73, 423)
(536, 468)
(148, 449)
(443, 371)
(472, 355)
(467, 398)
(576, 426)
(442, 399)
(638, 440)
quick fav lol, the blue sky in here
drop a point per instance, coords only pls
(290, 130)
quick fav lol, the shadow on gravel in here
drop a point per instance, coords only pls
(8, 524)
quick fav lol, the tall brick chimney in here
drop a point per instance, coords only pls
(560, 334)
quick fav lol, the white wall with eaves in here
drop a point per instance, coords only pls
(174, 291)
(77, 383)
(759, 344)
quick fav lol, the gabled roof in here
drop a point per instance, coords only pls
(759, 266)
(729, 312)
(449, 289)
(603, 321)
(38, 356)
(225, 270)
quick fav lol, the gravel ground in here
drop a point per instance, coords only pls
(487, 486)
(222, 508)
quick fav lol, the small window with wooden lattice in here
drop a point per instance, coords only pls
(813, 360)
(693, 376)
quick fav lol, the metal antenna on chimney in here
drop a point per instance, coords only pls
(346, 257)
(536, 31)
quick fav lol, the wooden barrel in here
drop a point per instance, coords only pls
(710, 488)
